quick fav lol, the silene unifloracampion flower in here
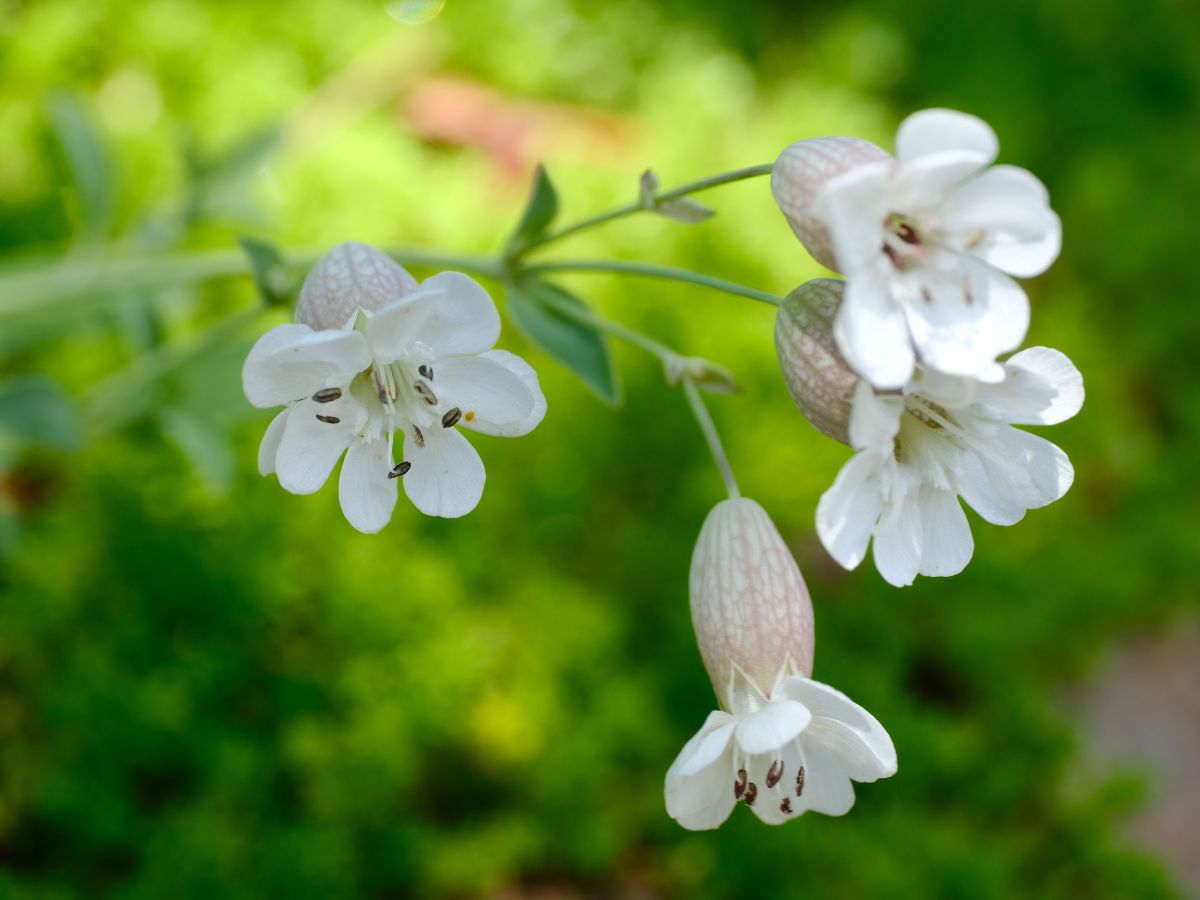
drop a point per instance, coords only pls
(920, 449)
(927, 241)
(373, 353)
(781, 744)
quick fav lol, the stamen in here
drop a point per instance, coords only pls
(330, 420)
(426, 371)
(327, 395)
(425, 392)
(739, 784)
(907, 233)
(751, 793)
(450, 419)
(774, 773)
(800, 782)
(785, 806)
(891, 254)
(399, 470)
(418, 437)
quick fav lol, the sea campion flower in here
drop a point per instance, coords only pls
(375, 353)
(927, 242)
(782, 743)
(920, 449)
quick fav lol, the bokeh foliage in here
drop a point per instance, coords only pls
(211, 688)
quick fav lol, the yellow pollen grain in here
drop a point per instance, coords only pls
(470, 414)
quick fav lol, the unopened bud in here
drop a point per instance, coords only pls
(350, 277)
(800, 173)
(820, 381)
(750, 606)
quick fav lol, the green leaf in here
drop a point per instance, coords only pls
(33, 409)
(536, 309)
(87, 162)
(269, 269)
(539, 212)
(204, 445)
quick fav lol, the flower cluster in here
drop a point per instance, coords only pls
(900, 359)
(372, 354)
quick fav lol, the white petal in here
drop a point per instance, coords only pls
(464, 320)
(947, 545)
(447, 475)
(898, 534)
(710, 742)
(935, 130)
(526, 373)
(291, 362)
(492, 396)
(270, 443)
(1008, 210)
(365, 491)
(848, 511)
(1041, 387)
(769, 805)
(1011, 472)
(704, 799)
(393, 332)
(773, 726)
(871, 330)
(968, 318)
(310, 448)
(853, 207)
(874, 418)
(859, 740)
(922, 186)
(827, 787)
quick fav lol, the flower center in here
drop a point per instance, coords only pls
(903, 242)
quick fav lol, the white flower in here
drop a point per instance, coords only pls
(927, 242)
(794, 747)
(403, 358)
(947, 437)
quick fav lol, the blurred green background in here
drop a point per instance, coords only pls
(211, 688)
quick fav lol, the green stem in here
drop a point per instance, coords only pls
(616, 329)
(35, 290)
(709, 429)
(650, 270)
(630, 208)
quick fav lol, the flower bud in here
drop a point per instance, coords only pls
(820, 381)
(350, 277)
(800, 173)
(750, 607)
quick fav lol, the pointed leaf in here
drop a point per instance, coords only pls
(539, 212)
(269, 270)
(87, 161)
(34, 410)
(536, 307)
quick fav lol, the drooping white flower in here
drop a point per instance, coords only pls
(373, 354)
(944, 438)
(793, 746)
(927, 241)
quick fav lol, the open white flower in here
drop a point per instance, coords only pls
(927, 241)
(408, 358)
(785, 750)
(947, 437)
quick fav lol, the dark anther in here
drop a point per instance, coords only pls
(426, 394)
(450, 419)
(739, 784)
(774, 773)
(331, 420)
(327, 395)
(751, 793)
(926, 296)
(907, 233)
(893, 256)
(418, 437)
(785, 806)
(800, 782)
(399, 470)
(426, 371)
